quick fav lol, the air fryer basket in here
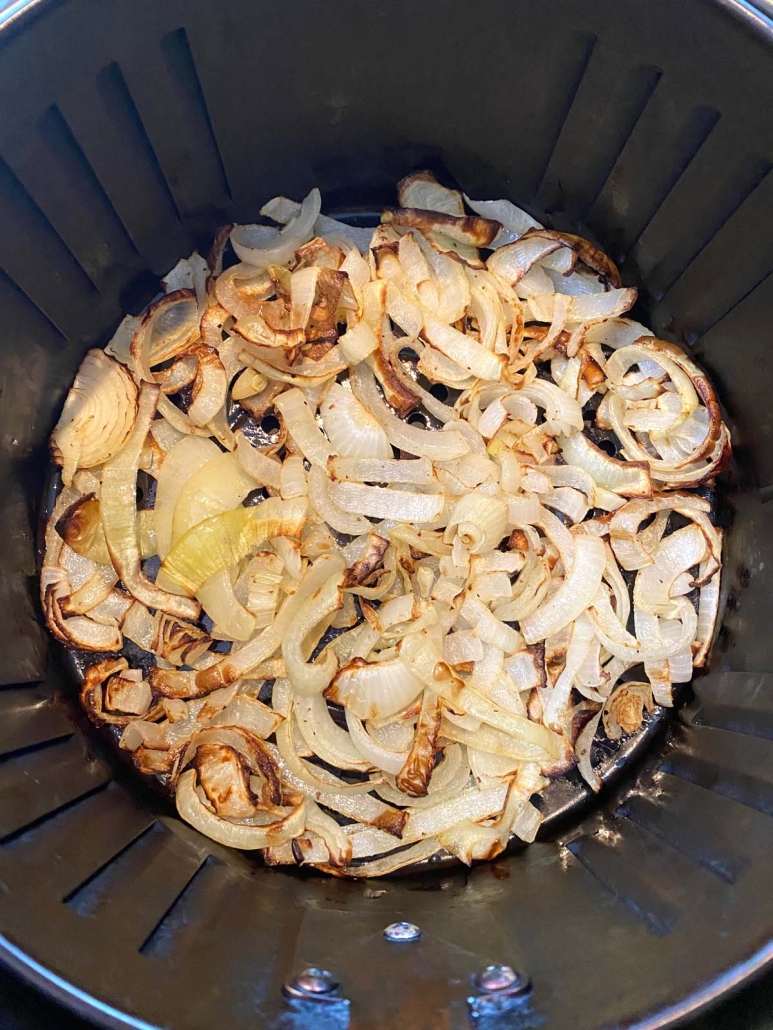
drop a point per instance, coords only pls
(129, 131)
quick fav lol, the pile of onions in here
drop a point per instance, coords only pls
(386, 582)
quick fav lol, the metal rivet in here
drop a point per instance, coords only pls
(315, 982)
(500, 978)
(402, 932)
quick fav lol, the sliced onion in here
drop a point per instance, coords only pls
(627, 478)
(575, 594)
(353, 431)
(309, 678)
(373, 690)
(459, 347)
(118, 510)
(221, 541)
(304, 431)
(97, 417)
(256, 249)
(386, 502)
(442, 446)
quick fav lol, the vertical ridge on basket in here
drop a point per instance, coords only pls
(182, 63)
(564, 105)
(38, 783)
(165, 89)
(29, 245)
(608, 104)
(64, 851)
(708, 193)
(712, 830)
(697, 129)
(51, 166)
(665, 138)
(644, 873)
(736, 766)
(130, 895)
(162, 940)
(29, 718)
(107, 127)
(718, 264)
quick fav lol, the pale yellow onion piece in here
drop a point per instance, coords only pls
(249, 714)
(677, 553)
(118, 508)
(92, 593)
(352, 429)
(97, 416)
(218, 486)
(169, 327)
(209, 388)
(470, 804)
(303, 289)
(514, 221)
(325, 737)
(627, 478)
(417, 472)
(386, 502)
(184, 459)
(585, 307)
(358, 342)
(259, 250)
(442, 446)
(422, 190)
(264, 470)
(335, 517)
(376, 754)
(511, 262)
(248, 384)
(302, 427)
(479, 521)
(221, 541)
(235, 835)
(375, 690)
(464, 350)
(575, 594)
(231, 620)
(308, 678)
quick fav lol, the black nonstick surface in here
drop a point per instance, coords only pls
(128, 131)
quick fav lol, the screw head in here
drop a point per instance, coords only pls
(315, 981)
(498, 978)
(402, 932)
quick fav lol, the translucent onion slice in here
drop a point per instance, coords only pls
(97, 416)
(353, 431)
(313, 616)
(442, 446)
(325, 737)
(627, 478)
(256, 249)
(418, 472)
(383, 502)
(374, 690)
(221, 541)
(236, 835)
(473, 357)
(183, 460)
(303, 430)
(378, 756)
(119, 516)
(575, 594)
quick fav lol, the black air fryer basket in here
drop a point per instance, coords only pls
(129, 130)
